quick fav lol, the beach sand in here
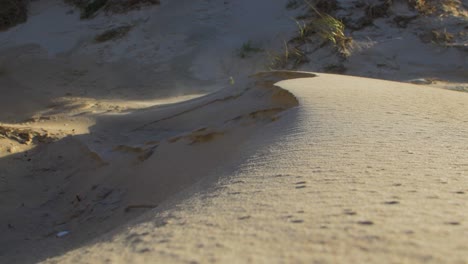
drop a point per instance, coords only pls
(356, 169)
(167, 146)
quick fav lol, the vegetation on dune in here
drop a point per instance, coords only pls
(422, 6)
(332, 30)
(438, 7)
(324, 23)
(12, 12)
(440, 37)
(290, 57)
(316, 26)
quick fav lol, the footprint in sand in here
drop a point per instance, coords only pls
(297, 221)
(365, 222)
(301, 185)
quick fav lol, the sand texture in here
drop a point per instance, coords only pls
(361, 170)
(213, 132)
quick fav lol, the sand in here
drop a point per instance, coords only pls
(356, 170)
(361, 171)
(167, 146)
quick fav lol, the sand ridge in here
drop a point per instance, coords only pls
(87, 184)
(362, 170)
(157, 145)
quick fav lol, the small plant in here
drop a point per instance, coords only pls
(439, 7)
(279, 60)
(422, 6)
(231, 80)
(441, 37)
(247, 49)
(291, 57)
(438, 37)
(114, 33)
(303, 30)
(330, 29)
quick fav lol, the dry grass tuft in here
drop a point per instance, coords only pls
(440, 37)
(289, 58)
(422, 6)
(329, 28)
(439, 7)
(332, 30)
(317, 25)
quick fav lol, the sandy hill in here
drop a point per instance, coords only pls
(208, 131)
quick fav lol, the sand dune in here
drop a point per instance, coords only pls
(128, 163)
(157, 146)
(361, 170)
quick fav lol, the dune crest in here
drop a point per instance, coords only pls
(132, 133)
(362, 170)
(88, 184)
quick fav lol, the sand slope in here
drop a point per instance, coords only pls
(361, 171)
(126, 164)
(157, 147)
